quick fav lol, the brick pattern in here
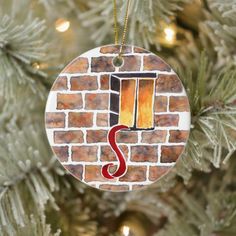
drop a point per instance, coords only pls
(78, 119)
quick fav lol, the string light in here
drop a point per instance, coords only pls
(36, 65)
(125, 230)
(170, 35)
(62, 25)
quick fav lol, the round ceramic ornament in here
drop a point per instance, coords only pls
(118, 128)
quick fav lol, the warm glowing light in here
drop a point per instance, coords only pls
(36, 65)
(169, 34)
(127, 108)
(62, 25)
(145, 103)
(125, 230)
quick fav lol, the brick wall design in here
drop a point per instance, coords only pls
(78, 119)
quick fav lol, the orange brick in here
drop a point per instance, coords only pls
(105, 80)
(155, 172)
(131, 63)
(60, 84)
(168, 84)
(152, 62)
(138, 186)
(96, 136)
(114, 188)
(61, 152)
(144, 153)
(68, 136)
(178, 136)
(115, 49)
(96, 101)
(85, 82)
(127, 137)
(135, 174)
(154, 136)
(102, 64)
(80, 119)
(166, 120)
(79, 65)
(102, 119)
(93, 173)
(75, 170)
(171, 153)
(160, 104)
(107, 154)
(55, 119)
(140, 50)
(179, 103)
(69, 101)
(84, 153)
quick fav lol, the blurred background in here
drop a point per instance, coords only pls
(37, 197)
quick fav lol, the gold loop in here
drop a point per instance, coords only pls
(125, 26)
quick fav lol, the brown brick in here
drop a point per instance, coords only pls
(168, 84)
(160, 104)
(114, 188)
(55, 119)
(144, 153)
(75, 136)
(127, 137)
(153, 62)
(105, 80)
(102, 64)
(96, 101)
(135, 174)
(85, 82)
(179, 103)
(115, 49)
(170, 153)
(93, 173)
(107, 154)
(69, 101)
(84, 153)
(102, 119)
(80, 119)
(61, 152)
(60, 84)
(96, 136)
(138, 186)
(154, 136)
(155, 172)
(140, 50)
(178, 136)
(75, 170)
(79, 65)
(166, 120)
(131, 63)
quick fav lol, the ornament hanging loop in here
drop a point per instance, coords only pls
(116, 30)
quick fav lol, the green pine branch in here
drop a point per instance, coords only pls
(144, 19)
(206, 207)
(33, 226)
(28, 175)
(220, 27)
(21, 46)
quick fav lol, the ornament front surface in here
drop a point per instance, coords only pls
(117, 128)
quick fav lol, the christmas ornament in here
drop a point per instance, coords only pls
(117, 117)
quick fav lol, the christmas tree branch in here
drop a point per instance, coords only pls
(220, 27)
(197, 212)
(26, 172)
(144, 19)
(22, 46)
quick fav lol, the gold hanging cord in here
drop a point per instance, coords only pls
(116, 30)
